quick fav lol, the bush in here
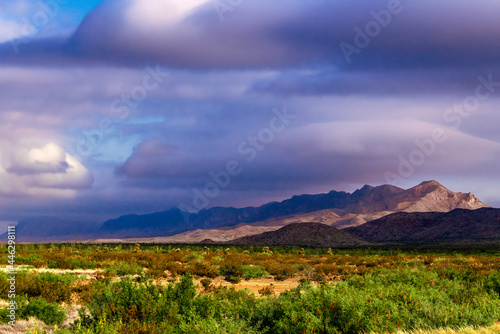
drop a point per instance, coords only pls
(281, 271)
(233, 279)
(124, 269)
(250, 272)
(379, 302)
(267, 291)
(4, 312)
(207, 284)
(53, 287)
(491, 283)
(20, 303)
(82, 263)
(176, 308)
(204, 269)
(50, 313)
(232, 271)
(418, 289)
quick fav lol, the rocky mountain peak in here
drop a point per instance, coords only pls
(431, 183)
(431, 196)
(470, 198)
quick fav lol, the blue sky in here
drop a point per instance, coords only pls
(50, 17)
(140, 106)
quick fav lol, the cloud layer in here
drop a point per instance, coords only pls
(136, 107)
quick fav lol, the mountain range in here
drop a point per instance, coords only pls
(363, 205)
(337, 209)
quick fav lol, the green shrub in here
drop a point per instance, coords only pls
(53, 287)
(250, 272)
(207, 284)
(379, 302)
(232, 279)
(204, 269)
(66, 278)
(194, 256)
(232, 271)
(266, 291)
(4, 312)
(50, 313)
(124, 269)
(20, 303)
(175, 308)
(27, 259)
(491, 282)
(281, 271)
(82, 263)
(213, 326)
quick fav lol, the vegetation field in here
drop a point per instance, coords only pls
(127, 288)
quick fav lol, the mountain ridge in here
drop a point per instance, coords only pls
(337, 208)
(426, 196)
(369, 200)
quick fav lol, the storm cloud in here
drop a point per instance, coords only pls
(134, 106)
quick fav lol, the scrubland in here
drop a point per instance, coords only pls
(83, 288)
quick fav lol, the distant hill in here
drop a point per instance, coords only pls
(432, 227)
(304, 234)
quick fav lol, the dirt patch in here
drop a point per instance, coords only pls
(254, 285)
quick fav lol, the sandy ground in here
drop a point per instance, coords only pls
(56, 271)
(254, 285)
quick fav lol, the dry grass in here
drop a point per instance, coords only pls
(31, 325)
(495, 329)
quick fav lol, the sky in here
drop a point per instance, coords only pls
(117, 107)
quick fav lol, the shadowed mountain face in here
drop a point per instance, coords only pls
(49, 228)
(339, 209)
(431, 227)
(175, 221)
(304, 234)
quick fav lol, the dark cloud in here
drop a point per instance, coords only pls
(286, 34)
(390, 82)
(326, 153)
(222, 82)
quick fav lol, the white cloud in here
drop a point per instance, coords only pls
(46, 170)
(10, 30)
(15, 18)
(49, 159)
(160, 13)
